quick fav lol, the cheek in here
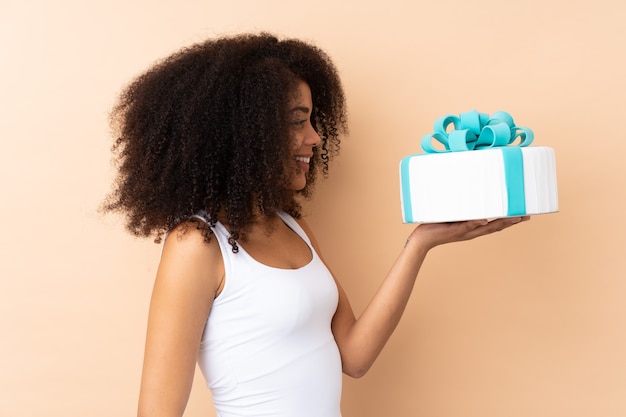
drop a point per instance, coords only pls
(289, 165)
(297, 139)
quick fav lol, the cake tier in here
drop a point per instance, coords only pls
(456, 186)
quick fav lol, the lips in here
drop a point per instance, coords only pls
(303, 162)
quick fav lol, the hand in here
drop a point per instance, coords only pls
(434, 234)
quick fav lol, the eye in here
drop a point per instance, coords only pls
(299, 123)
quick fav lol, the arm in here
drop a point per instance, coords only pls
(361, 340)
(188, 278)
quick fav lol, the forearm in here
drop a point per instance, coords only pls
(360, 341)
(368, 335)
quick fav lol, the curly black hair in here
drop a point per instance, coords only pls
(206, 129)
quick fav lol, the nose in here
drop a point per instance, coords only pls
(312, 137)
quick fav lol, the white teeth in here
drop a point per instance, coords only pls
(303, 159)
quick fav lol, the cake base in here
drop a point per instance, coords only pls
(481, 184)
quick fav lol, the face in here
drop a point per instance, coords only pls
(304, 136)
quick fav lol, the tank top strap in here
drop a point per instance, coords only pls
(223, 235)
(218, 229)
(295, 226)
(201, 215)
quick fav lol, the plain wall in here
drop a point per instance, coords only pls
(530, 321)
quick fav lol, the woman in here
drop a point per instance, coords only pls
(215, 146)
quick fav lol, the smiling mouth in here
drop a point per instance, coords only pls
(303, 162)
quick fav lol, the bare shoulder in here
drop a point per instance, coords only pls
(189, 259)
(189, 235)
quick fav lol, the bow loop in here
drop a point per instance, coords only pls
(474, 130)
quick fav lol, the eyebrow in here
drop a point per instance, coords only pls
(303, 109)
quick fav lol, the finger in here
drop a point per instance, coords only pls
(495, 226)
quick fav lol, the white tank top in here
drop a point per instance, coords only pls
(267, 347)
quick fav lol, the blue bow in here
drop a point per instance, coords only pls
(474, 131)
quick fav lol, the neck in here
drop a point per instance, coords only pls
(263, 224)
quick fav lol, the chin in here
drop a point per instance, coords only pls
(298, 183)
(298, 187)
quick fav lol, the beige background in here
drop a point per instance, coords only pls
(527, 322)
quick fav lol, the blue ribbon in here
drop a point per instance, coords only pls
(476, 131)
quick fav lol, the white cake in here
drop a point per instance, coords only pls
(491, 182)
